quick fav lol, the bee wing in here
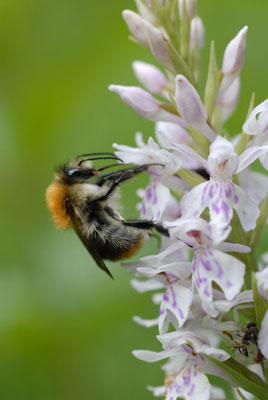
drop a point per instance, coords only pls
(77, 227)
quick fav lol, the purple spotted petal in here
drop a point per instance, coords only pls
(176, 300)
(213, 265)
(154, 201)
(247, 210)
(190, 383)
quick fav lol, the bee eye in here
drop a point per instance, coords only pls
(72, 172)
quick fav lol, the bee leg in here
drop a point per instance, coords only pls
(125, 175)
(147, 225)
(116, 175)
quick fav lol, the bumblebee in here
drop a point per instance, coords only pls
(83, 198)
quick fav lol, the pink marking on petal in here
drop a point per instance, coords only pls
(215, 208)
(166, 297)
(204, 194)
(211, 194)
(191, 390)
(206, 265)
(143, 208)
(236, 199)
(225, 208)
(155, 197)
(228, 192)
(149, 193)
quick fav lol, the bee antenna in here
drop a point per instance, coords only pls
(96, 154)
(99, 158)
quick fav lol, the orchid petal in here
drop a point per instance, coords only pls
(239, 248)
(190, 384)
(177, 300)
(153, 356)
(242, 298)
(175, 270)
(147, 323)
(250, 155)
(251, 126)
(227, 271)
(247, 210)
(194, 202)
(263, 336)
(145, 286)
(262, 283)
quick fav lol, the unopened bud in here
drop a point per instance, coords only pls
(228, 101)
(234, 54)
(197, 34)
(156, 42)
(135, 24)
(191, 8)
(150, 77)
(191, 107)
(143, 103)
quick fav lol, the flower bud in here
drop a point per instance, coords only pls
(145, 12)
(150, 77)
(234, 54)
(143, 103)
(229, 99)
(191, 107)
(191, 8)
(156, 43)
(197, 34)
(135, 24)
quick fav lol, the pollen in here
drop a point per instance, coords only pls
(56, 196)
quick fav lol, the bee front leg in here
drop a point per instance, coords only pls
(125, 175)
(116, 175)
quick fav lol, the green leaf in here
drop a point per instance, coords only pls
(242, 376)
(260, 304)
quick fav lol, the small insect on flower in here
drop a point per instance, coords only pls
(84, 199)
(241, 340)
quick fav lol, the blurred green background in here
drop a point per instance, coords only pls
(65, 328)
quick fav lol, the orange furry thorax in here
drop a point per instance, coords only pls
(56, 196)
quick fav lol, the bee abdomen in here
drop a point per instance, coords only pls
(118, 244)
